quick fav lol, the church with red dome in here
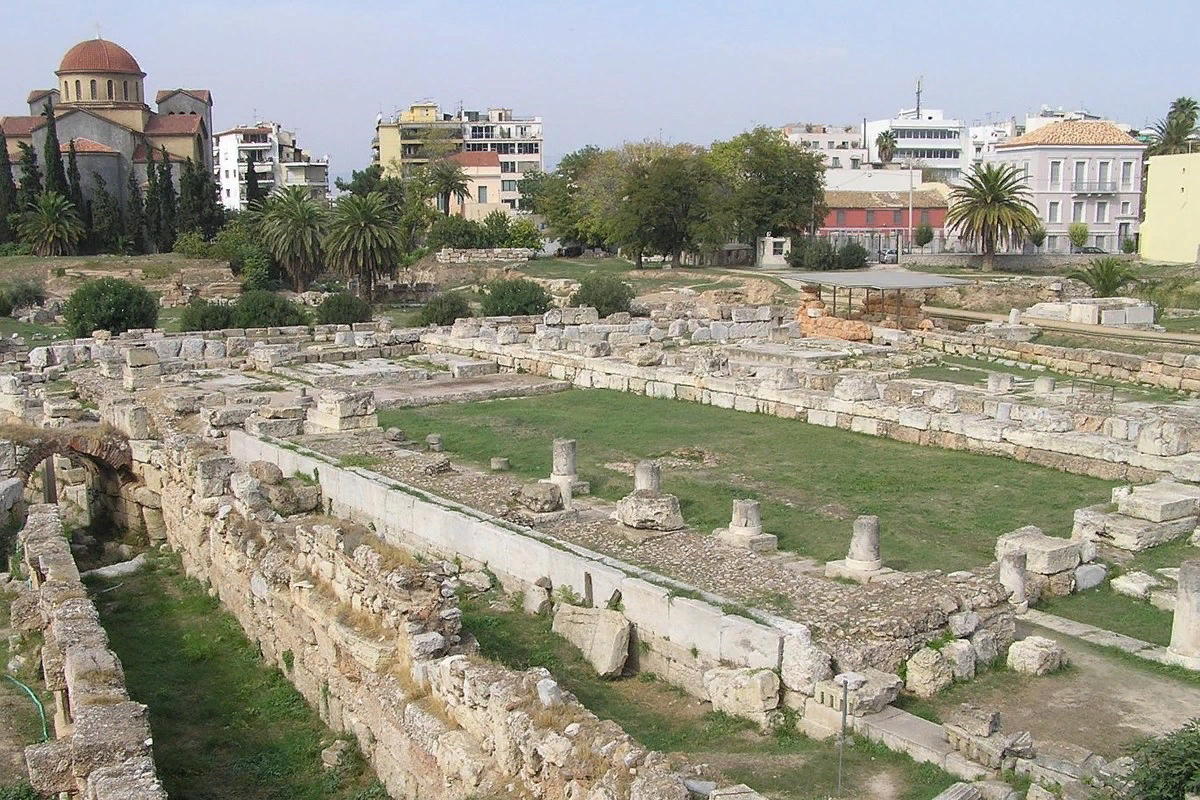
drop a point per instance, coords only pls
(99, 102)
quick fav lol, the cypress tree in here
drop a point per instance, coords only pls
(31, 178)
(134, 219)
(166, 205)
(8, 191)
(188, 217)
(153, 212)
(254, 192)
(56, 178)
(74, 182)
(106, 217)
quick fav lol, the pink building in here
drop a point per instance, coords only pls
(1080, 171)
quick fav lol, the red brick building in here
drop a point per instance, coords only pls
(880, 219)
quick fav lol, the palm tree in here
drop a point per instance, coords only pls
(364, 241)
(1175, 134)
(446, 178)
(292, 225)
(885, 145)
(1105, 276)
(51, 227)
(1186, 107)
(991, 205)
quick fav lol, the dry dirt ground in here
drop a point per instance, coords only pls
(159, 273)
(1101, 702)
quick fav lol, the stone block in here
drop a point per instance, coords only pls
(1045, 555)
(1036, 655)
(746, 693)
(927, 673)
(602, 636)
(960, 657)
(1089, 576)
(649, 510)
(1134, 584)
(49, 765)
(541, 497)
(974, 721)
(804, 665)
(109, 734)
(141, 357)
(746, 643)
(1161, 502)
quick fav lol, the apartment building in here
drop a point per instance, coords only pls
(423, 133)
(840, 145)
(1080, 171)
(278, 162)
(925, 138)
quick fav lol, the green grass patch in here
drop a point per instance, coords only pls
(31, 333)
(1137, 347)
(360, 460)
(939, 509)
(225, 724)
(1181, 324)
(787, 765)
(1106, 609)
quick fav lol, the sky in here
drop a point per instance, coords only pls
(605, 73)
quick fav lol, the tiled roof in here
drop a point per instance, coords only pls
(174, 125)
(474, 159)
(203, 95)
(99, 55)
(139, 155)
(86, 146)
(38, 94)
(20, 126)
(895, 200)
(1077, 132)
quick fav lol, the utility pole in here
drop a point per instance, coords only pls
(918, 97)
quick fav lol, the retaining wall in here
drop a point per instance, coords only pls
(1009, 262)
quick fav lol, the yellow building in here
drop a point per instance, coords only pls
(483, 186)
(414, 137)
(1171, 230)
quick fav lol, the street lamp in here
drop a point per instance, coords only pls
(848, 681)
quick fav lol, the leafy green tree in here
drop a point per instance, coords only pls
(254, 191)
(1106, 277)
(1037, 236)
(188, 217)
(362, 182)
(607, 294)
(991, 205)
(1167, 767)
(812, 253)
(558, 197)
(447, 179)
(456, 232)
(56, 177)
(343, 308)
(852, 256)
(885, 146)
(292, 229)
(106, 217)
(523, 233)
(364, 241)
(923, 235)
(31, 178)
(133, 233)
(1077, 234)
(665, 205)
(444, 309)
(514, 297)
(262, 309)
(52, 227)
(8, 192)
(166, 205)
(495, 229)
(109, 304)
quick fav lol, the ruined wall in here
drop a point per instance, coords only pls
(102, 744)
(494, 255)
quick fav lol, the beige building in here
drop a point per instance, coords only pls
(483, 187)
(1171, 229)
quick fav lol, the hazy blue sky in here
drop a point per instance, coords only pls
(603, 73)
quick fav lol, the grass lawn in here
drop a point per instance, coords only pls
(1137, 347)
(939, 509)
(786, 766)
(225, 724)
(1181, 324)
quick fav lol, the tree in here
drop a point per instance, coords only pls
(362, 182)
(885, 145)
(133, 232)
(31, 178)
(495, 229)
(456, 232)
(292, 228)
(447, 179)
(1077, 233)
(52, 227)
(188, 215)
(56, 178)
(364, 241)
(74, 180)
(8, 192)
(608, 294)
(992, 204)
(254, 192)
(923, 235)
(1037, 236)
(166, 205)
(153, 211)
(665, 205)
(523, 233)
(107, 227)
(109, 304)
(1105, 276)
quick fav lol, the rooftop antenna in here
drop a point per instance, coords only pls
(919, 96)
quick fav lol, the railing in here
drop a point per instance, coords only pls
(1093, 186)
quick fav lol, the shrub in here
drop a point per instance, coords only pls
(1077, 233)
(260, 309)
(6, 306)
(812, 254)
(255, 271)
(456, 232)
(523, 233)
(343, 308)
(15, 249)
(444, 309)
(923, 235)
(235, 242)
(852, 256)
(1128, 246)
(19, 791)
(109, 304)
(514, 297)
(201, 315)
(193, 245)
(1037, 236)
(1106, 276)
(1167, 767)
(26, 293)
(606, 293)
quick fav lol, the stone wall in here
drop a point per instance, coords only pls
(102, 745)
(492, 255)
(1008, 262)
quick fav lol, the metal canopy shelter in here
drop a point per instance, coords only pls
(882, 281)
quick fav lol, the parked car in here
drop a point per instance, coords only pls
(1092, 251)
(889, 256)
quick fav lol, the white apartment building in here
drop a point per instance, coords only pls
(278, 163)
(1080, 171)
(840, 145)
(516, 140)
(926, 139)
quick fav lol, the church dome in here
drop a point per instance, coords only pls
(99, 56)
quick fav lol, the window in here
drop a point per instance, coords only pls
(1053, 211)
(1051, 244)
(841, 218)
(226, 173)
(1101, 242)
(925, 216)
(508, 186)
(477, 147)
(777, 247)
(1080, 172)
(124, 90)
(1077, 211)
(870, 217)
(110, 90)
(1055, 174)
(92, 87)
(855, 163)
(227, 193)
(527, 166)
(1102, 211)
(1126, 208)
(1025, 170)
(528, 148)
(836, 163)
(504, 148)
(508, 166)
(1102, 173)
(1126, 173)
(482, 195)
(897, 218)
(1123, 232)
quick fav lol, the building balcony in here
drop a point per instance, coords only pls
(1093, 187)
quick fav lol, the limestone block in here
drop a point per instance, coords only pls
(139, 356)
(212, 472)
(746, 693)
(960, 656)
(986, 648)
(109, 734)
(927, 673)
(265, 472)
(876, 693)
(1134, 584)
(961, 791)
(541, 497)
(1089, 576)
(963, 623)
(1045, 555)
(1161, 502)
(657, 785)
(856, 387)
(747, 643)
(49, 766)
(804, 665)
(1036, 655)
(346, 403)
(602, 636)
(1166, 437)
(974, 721)
(649, 510)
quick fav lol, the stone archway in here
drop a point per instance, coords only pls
(99, 444)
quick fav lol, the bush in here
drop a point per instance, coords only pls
(523, 233)
(15, 249)
(6, 306)
(260, 309)
(1129, 246)
(25, 293)
(852, 256)
(201, 315)
(343, 309)
(1077, 233)
(193, 245)
(812, 254)
(109, 304)
(606, 293)
(1037, 236)
(1167, 767)
(923, 235)
(456, 232)
(255, 271)
(444, 309)
(514, 297)
(20, 791)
